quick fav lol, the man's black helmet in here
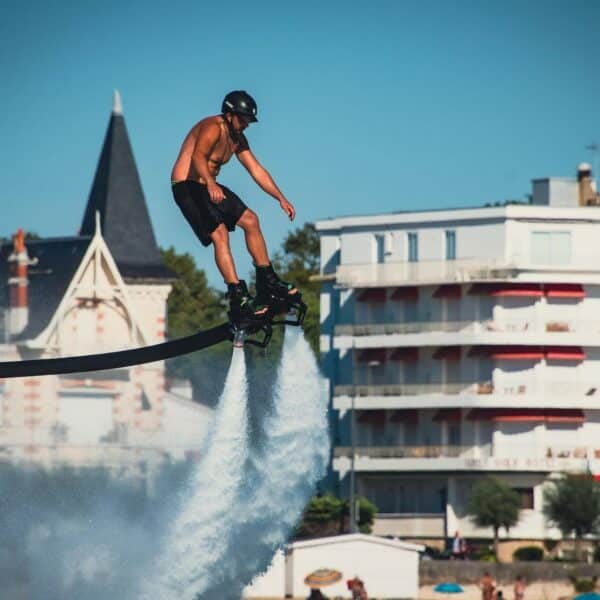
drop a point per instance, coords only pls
(241, 103)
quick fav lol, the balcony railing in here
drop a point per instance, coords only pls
(548, 388)
(406, 451)
(503, 326)
(403, 328)
(423, 272)
(501, 452)
(435, 271)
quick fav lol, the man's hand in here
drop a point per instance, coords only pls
(287, 208)
(215, 192)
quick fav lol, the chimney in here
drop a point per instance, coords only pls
(587, 185)
(18, 311)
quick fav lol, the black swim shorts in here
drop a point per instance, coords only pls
(204, 215)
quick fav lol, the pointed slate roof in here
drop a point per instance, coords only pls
(118, 196)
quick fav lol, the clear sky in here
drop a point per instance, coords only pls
(364, 106)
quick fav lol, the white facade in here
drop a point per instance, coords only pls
(459, 343)
(389, 568)
(123, 417)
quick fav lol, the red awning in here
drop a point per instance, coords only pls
(516, 353)
(372, 294)
(408, 415)
(549, 415)
(450, 415)
(447, 353)
(507, 289)
(448, 290)
(405, 354)
(371, 355)
(409, 292)
(565, 353)
(532, 290)
(564, 290)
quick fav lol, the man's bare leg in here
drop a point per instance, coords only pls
(226, 265)
(223, 256)
(255, 241)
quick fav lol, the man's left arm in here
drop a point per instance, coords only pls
(265, 181)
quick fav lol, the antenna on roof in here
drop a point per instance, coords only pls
(593, 148)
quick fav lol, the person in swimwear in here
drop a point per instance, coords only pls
(213, 210)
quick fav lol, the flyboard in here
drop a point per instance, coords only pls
(238, 331)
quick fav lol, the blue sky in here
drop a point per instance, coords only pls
(364, 107)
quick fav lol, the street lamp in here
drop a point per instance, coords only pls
(354, 510)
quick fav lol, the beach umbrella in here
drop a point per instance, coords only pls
(322, 577)
(451, 588)
(588, 596)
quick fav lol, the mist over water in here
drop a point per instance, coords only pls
(282, 472)
(70, 534)
(197, 542)
(79, 533)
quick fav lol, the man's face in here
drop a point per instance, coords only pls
(240, 122)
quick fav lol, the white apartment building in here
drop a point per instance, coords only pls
(462, 343)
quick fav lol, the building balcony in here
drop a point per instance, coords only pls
(402, 451)
(488, 326)
(547, 332)
(509, 388)
(451, 271)
(465, 458)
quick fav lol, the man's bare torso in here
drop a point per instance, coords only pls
(197, 144)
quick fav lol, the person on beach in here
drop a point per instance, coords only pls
(487, 585)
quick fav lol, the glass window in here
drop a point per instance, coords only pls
(526, 495)
(413, 247)
(379, 248)
(450, 245)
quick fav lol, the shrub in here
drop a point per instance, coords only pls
(528, 553)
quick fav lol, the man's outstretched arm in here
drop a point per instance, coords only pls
(265, 181)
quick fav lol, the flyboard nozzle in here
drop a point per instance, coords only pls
(238, 338)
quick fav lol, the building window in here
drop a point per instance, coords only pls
(450, 245)
(413, 247)
(379, 249)
(526, 495)
(551, 247)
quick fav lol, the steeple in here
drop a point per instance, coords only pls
(117, 196)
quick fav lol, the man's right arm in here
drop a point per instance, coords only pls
(208, 136)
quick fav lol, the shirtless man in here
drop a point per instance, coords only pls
(213, 210)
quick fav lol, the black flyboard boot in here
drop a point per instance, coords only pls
(271, 291)
(246, 315)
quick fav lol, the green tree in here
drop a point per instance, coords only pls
(297, 261)
(192, 306)
(494, 504)
(572, 503)
(328, 515)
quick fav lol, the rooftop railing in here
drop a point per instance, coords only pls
(436, 271)
(469, 269)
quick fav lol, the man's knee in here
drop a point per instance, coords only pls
(249, 220)
(220, 236)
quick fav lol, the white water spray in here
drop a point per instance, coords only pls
(199, 538)
(282, 477)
